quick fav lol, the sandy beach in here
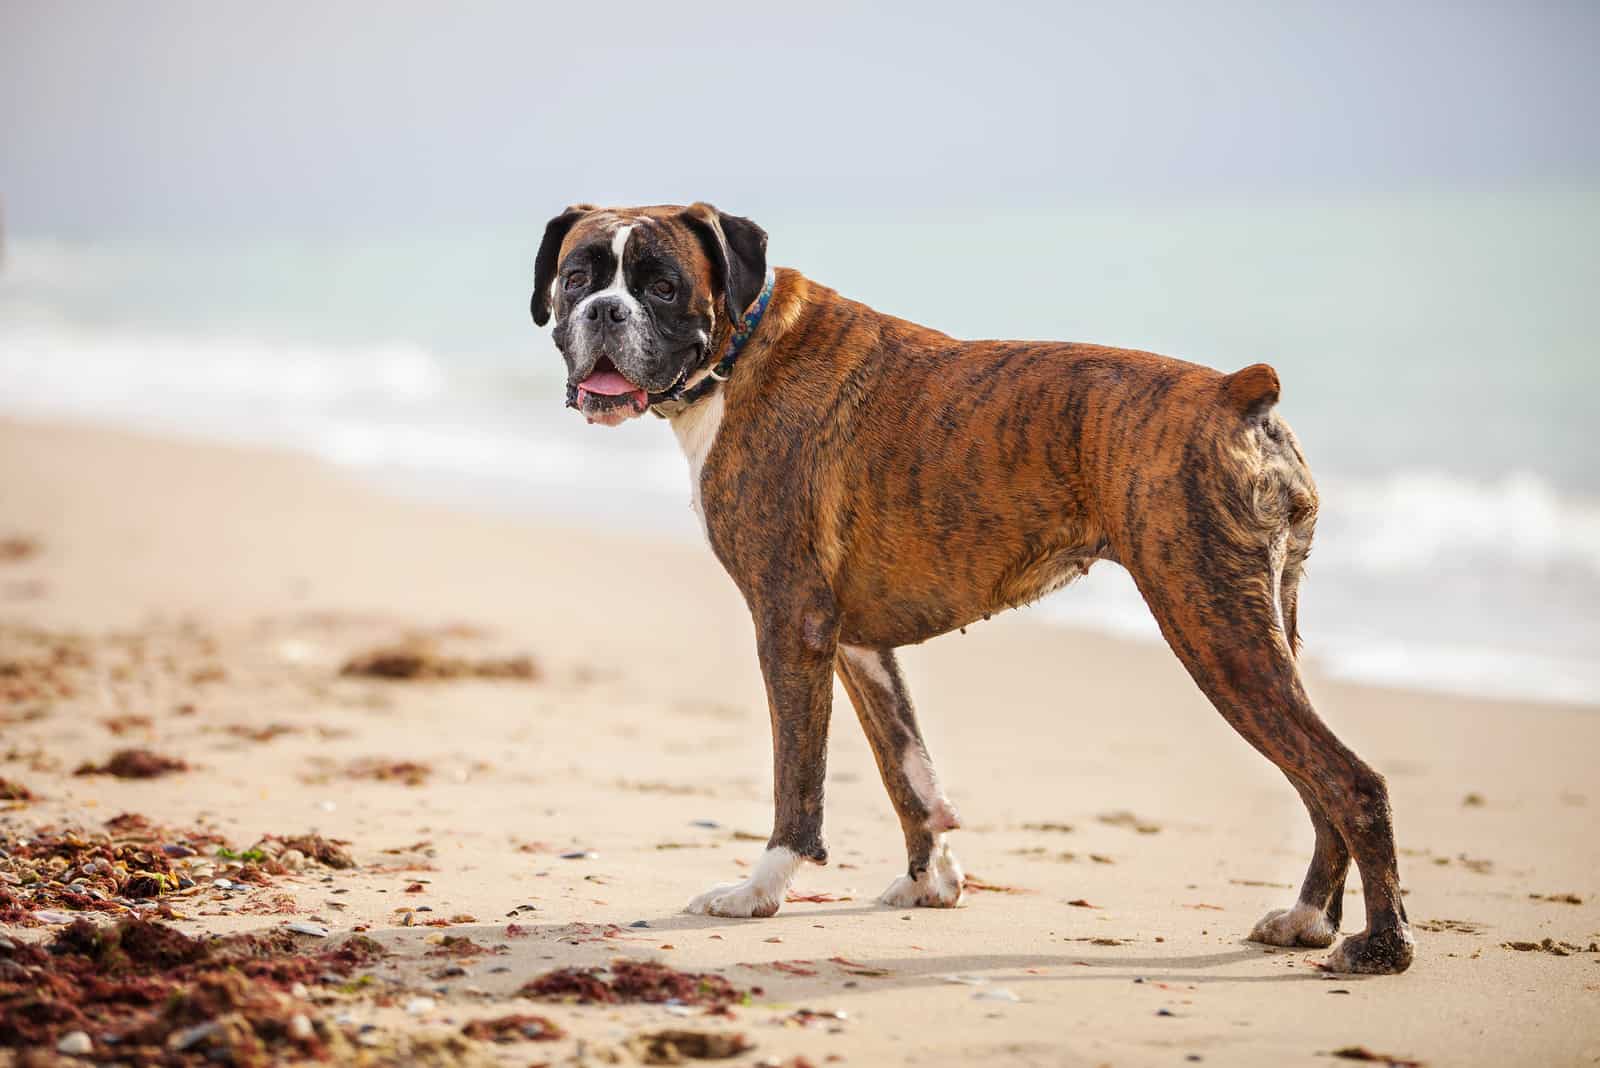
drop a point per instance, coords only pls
(202, 603)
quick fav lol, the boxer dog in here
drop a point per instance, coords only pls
(870, 483)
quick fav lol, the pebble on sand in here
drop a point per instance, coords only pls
(74, 1044)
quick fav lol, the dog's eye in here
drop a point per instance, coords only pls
(577, 280)
(663, 289)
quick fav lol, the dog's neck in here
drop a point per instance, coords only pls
(695, 425)
(760, 326)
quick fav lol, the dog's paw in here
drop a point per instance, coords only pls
(737, 900)
(1303, 925)
(1385, 952)
(760, 895)
(939, 887)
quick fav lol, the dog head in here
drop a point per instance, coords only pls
(641, 295)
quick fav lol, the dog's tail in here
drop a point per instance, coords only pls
(1252, 391)
(1280, 497)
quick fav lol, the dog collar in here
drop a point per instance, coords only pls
(742, 330)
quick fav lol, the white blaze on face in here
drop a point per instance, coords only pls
(619, 283)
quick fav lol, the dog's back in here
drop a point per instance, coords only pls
(980, 475)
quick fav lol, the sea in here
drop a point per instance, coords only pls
(1439, 353)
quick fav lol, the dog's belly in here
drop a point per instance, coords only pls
(887, 606)
(953, 505)
(914, 577)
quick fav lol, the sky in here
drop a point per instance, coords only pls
(343, 118)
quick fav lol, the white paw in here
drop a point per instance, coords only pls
(1303, 925)
(760, 895)
(939, 887)
(735, 899)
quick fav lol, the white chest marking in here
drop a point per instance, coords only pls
(696, 429)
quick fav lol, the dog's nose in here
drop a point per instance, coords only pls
(612, 309)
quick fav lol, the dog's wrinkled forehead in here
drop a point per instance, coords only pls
(652, 241)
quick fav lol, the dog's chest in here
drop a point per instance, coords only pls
(696, 430)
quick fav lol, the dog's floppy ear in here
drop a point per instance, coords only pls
(544, 265)
(737, 248)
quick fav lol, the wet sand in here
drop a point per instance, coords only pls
(212, 596)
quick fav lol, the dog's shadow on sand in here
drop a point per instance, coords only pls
(1010, 969)
(535, 947)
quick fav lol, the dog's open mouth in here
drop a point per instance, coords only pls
(605, 397)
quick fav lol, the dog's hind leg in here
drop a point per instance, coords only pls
(877, 689)
(1209, 562)
(1314, 919)
(1227, 642)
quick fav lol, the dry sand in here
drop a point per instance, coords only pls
(245, 580)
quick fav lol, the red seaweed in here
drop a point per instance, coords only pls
(168, 998)
(628, 981)
(517, 1027)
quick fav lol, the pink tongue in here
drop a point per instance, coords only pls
(608, 384)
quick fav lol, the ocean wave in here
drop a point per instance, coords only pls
(1412, 520)
(88, 369)
(1464, 670)
(1500, 653)
(541, 463)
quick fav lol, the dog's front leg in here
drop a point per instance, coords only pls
(933, 876)
(797, 638)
